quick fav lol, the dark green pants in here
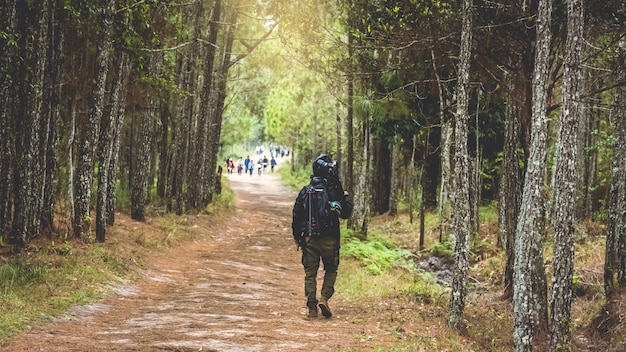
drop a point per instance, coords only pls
(327, 249)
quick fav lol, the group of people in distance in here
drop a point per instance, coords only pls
(247, 165)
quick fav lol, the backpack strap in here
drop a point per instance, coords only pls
(310, 192)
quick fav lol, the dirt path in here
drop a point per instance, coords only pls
(239, 289)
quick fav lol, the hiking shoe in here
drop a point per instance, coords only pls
(325, 309)
(312, 312)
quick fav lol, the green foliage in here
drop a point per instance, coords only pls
(294, 179)
(426, 290)
(122, 196)
(20, 272)
(224, 200)
(99, 253)
(65, 249)
(377, 255)
(240, 125)
(440, 249)
(297, 113)
(489, 213)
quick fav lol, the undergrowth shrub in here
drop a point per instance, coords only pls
(440, 249)
(223, 200)
(294, 178)
(426, 290)
(19, 272)
(377, 255)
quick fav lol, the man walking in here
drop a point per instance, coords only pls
(315, 228)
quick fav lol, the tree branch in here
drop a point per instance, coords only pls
(252, 46)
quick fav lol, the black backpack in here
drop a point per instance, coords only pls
(317, 210)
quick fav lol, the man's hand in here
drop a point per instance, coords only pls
(335, 206)
(297, 244)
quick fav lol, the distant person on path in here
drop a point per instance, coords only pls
(315, 228)
(265, 162)
(240, 166)
(273, 163)
(230, 165)
(251, 167)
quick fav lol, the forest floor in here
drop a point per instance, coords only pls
(238, 286)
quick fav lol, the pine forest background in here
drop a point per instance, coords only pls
(115, 105)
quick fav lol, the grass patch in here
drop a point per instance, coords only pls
(35, 286)
(424, 289)
(356, 284)
(225, 200)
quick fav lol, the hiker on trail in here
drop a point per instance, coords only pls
(240, 166)
(273, 163)
(315, 228)
(230, 165)
(265, 162)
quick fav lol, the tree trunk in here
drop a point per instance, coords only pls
(360, 215)
(461, 178)
(444, 198)
(215, 128)
(446, 136)
(565, 185)
(530, 290)
(88, 133)
(615, 255)
(475, 186)
(53, 110)
(143, 154)
(510, 190)
(164, 148)
(119, 108)
(381, 159)
(198, 60)
(109, 135)
(422, 187)
(70, 159)
(477, 181)
(29, 159)
(185, 116)
(348, 181)
(199, 174)
(412, 179)
(339, 144)
(181, 137)
(590, 117)
(141, 166)
(394, 190)
(8, 105)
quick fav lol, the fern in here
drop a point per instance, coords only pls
(377, 255)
